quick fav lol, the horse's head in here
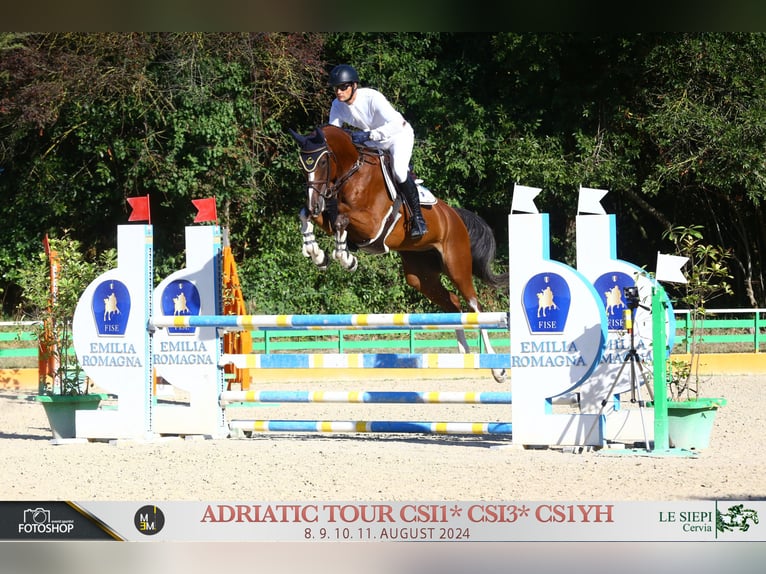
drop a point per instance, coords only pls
(315, 161)
(324, 160)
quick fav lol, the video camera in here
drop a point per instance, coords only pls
(631, 296)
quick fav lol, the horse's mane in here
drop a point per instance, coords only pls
(330, 127)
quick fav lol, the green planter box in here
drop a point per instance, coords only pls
(61, 409)
(690, 423)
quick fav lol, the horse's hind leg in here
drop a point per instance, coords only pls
(500, 375)
(422, 270)
(455, 269)
(310, 246)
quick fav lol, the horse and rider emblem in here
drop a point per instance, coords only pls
(547, 300)
(735, 518)
(181, 298)
(111, 308)
(610, 287)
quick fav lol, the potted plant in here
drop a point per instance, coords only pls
(690, 415)
(52, 285)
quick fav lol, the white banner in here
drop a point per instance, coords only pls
(459, 521)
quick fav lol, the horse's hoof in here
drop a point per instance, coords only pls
(500, 375)
(323, 263)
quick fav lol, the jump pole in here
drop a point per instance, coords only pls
(369, 397)
(361, 397)
(340, 321)
(395, 427)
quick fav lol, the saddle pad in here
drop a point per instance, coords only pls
(424, 194)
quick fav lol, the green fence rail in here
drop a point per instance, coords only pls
(18, 343)
(343, 341)
(721, 331)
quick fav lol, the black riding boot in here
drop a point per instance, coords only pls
(409, 191)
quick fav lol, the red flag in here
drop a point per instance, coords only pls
(205, 210)
(140, 207)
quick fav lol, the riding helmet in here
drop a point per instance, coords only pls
(342, 74)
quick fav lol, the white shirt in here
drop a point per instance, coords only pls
(372, 112)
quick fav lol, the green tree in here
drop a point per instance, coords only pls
(669, 123)
(701, 117)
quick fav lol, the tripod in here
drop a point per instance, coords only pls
(632, 359)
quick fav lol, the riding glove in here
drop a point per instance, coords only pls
(360, 137)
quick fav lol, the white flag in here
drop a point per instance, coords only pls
(669, 268)
(524, 199)
(589, 200)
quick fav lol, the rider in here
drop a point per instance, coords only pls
(383, 127)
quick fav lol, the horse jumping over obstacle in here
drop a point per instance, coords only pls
(349, 197)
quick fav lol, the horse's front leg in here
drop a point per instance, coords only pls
(310, 246)
(341, 253)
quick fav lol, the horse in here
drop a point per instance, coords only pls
(351, 195)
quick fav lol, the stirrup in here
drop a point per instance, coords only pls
(418, 227)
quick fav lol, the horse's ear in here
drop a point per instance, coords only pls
(297, 137)
(320, 132)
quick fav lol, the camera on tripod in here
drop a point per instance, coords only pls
(631, 296)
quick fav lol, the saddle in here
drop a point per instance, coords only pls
(424, 194)
(377, 245)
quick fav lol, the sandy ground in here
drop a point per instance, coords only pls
(380, 467)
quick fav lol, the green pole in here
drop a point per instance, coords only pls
(659, 368)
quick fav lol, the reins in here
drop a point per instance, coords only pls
(331, 189)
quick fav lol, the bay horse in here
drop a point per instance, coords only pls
(351, 195)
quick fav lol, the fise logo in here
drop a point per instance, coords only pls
(149, 520)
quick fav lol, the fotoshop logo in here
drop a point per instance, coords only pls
(149, 520)
(38, 521)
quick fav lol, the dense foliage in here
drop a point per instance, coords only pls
(672, 124)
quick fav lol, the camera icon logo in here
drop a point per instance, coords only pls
(37, 515)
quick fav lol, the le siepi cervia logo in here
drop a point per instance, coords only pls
(547, 299)
(111, 308)
(611, 287)
(736, 518)
(181, 298)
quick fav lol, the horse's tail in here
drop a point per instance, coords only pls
(482, 249)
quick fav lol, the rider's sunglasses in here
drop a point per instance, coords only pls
(343, 87)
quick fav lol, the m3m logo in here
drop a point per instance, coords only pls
(149, 520)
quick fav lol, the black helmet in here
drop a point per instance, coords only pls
(342, 74)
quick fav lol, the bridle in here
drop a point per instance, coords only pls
(316, 157)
